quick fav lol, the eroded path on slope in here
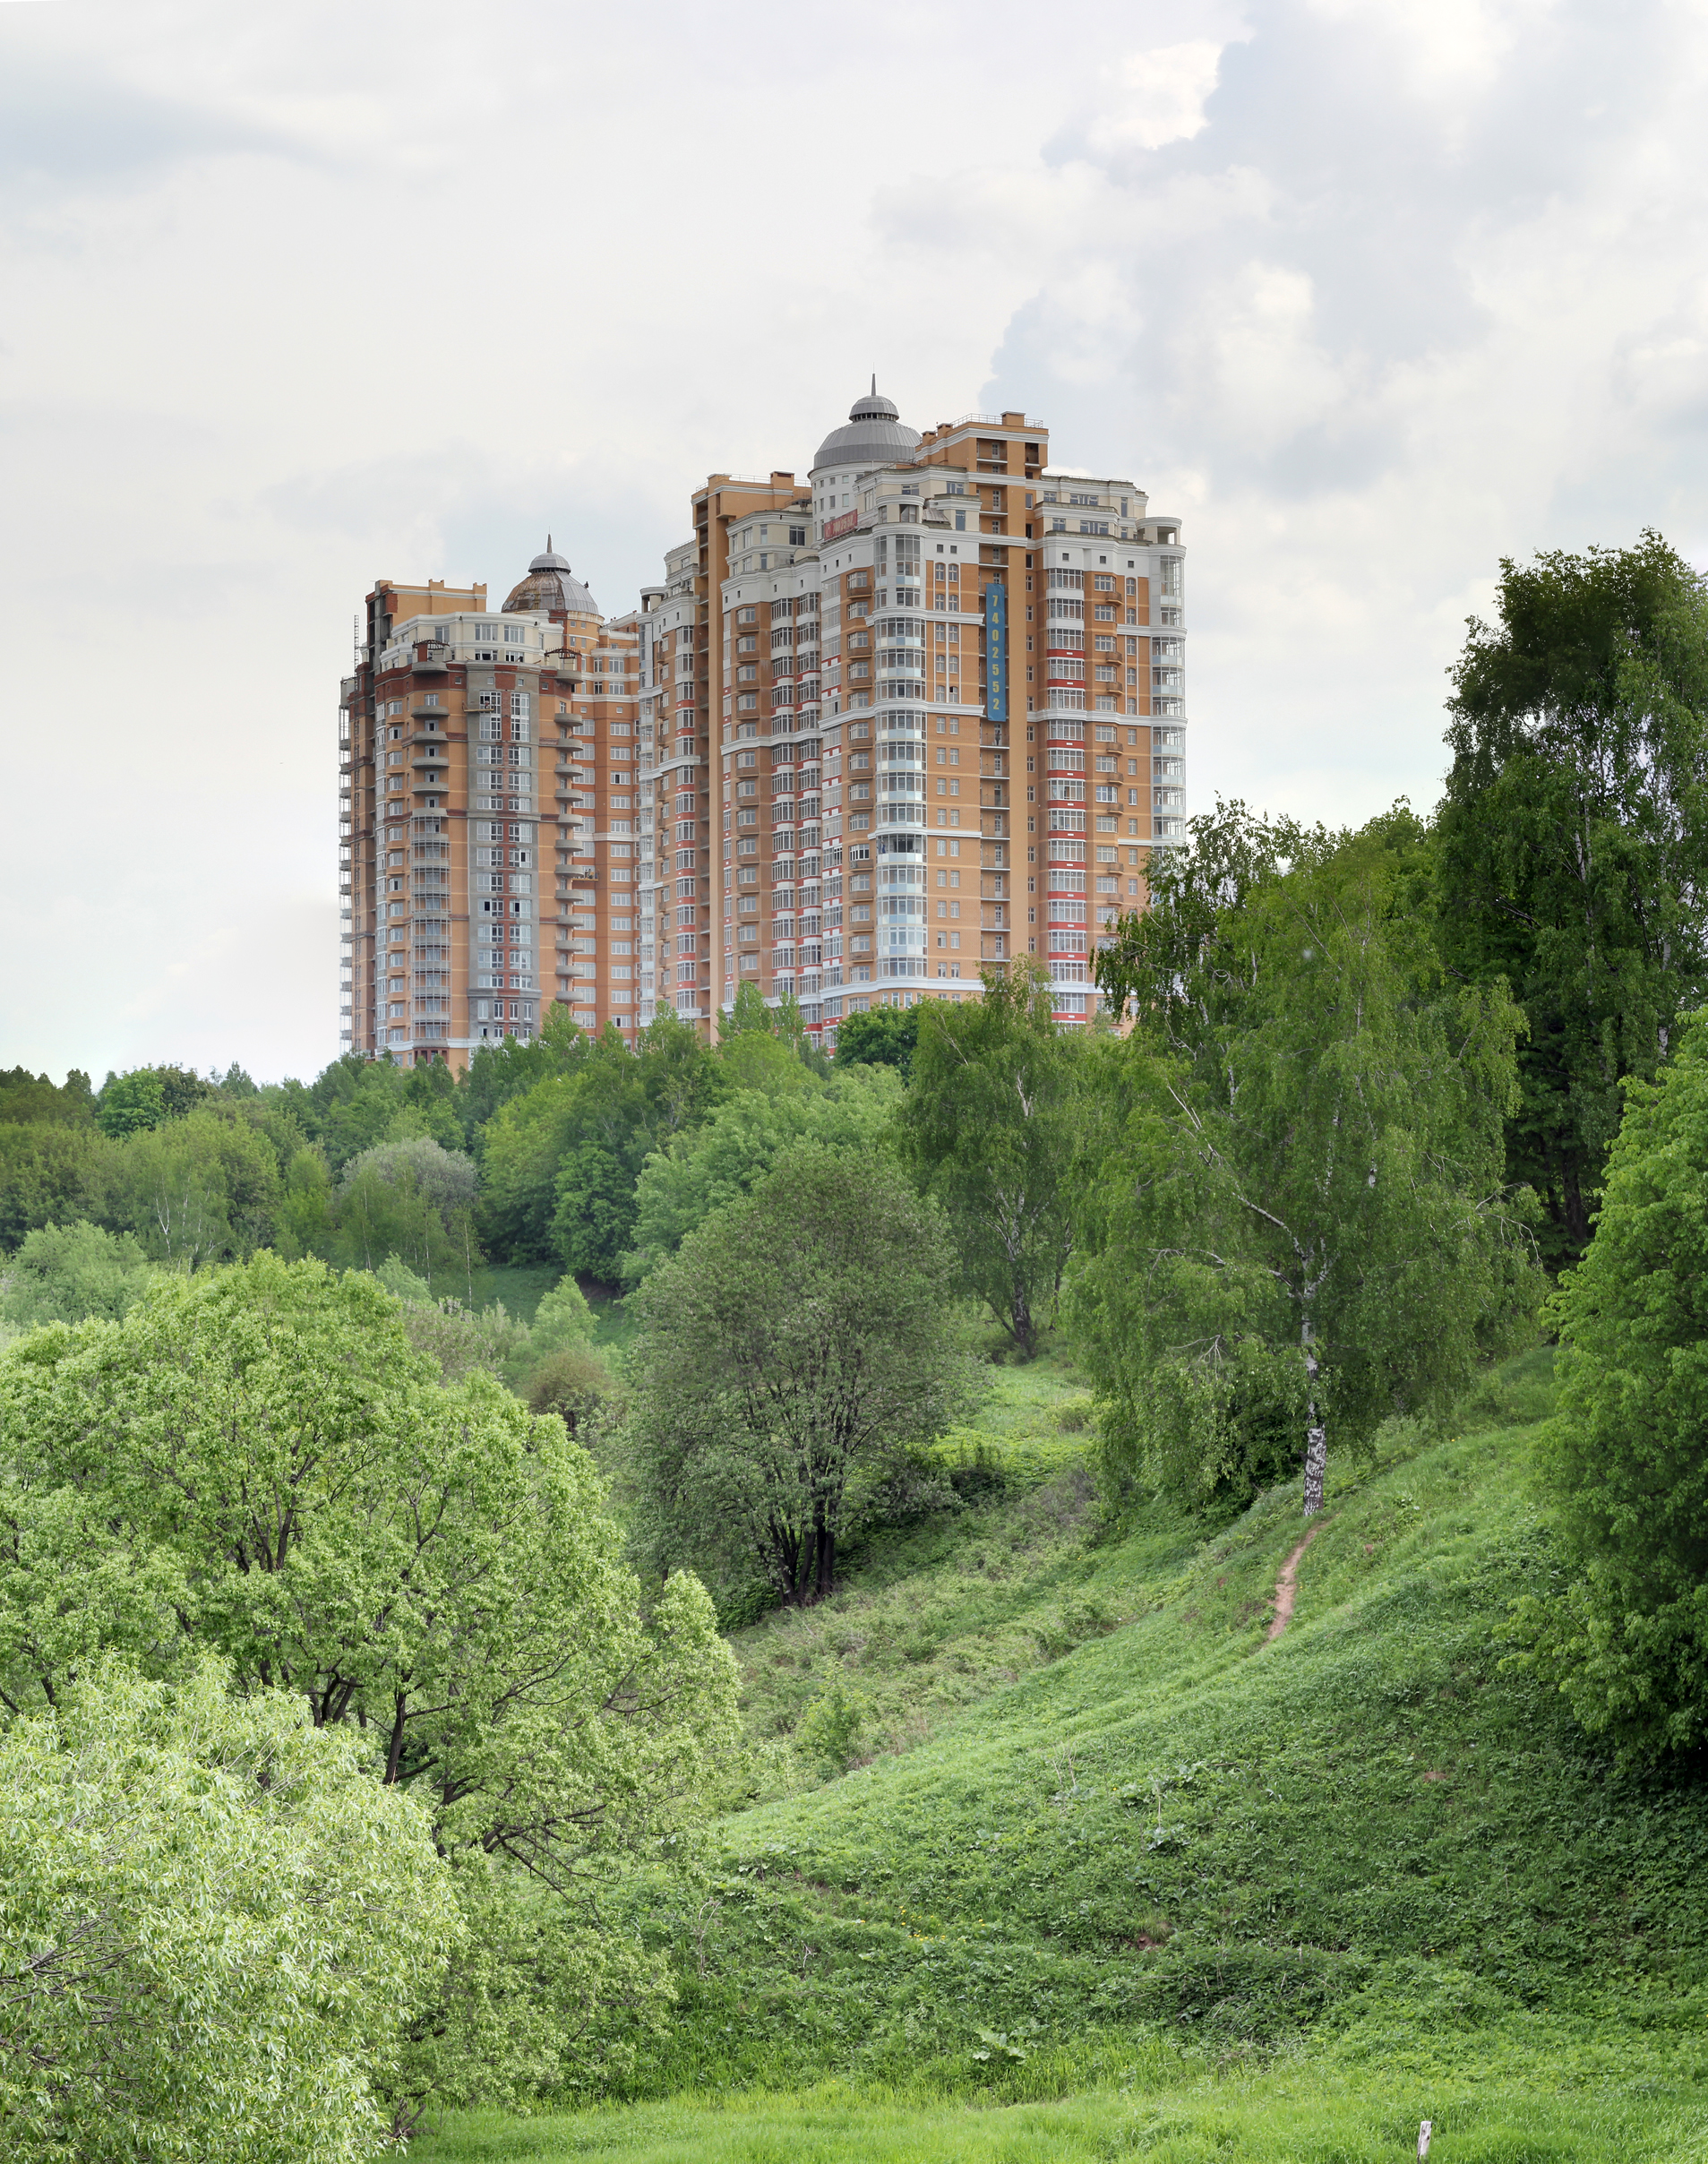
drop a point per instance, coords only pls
(1287, 1584)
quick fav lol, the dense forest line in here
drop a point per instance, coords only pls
(535, 1155)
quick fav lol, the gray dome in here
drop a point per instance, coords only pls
(875, 436)
(551, 588)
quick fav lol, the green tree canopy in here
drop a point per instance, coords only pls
(70, 1272)
(413, 1199)
(883, 1036)
(357, 1102)
(497, 1073)
(304, 1211)
(1304, 1225)
(52, 1172)
(793, 1347)
(24, 1096)
(444, 1179)
(1573, 842)
(214, 1927)
(753, 1016)
(254, 1463)
(563, 1320)
(130, 1102)
(992, 1126)
(198, 1190)
(756, 1060)
(748, 1015)
(742, 1140)
(146, 1097)
(560, 1162)
(1624, 1462)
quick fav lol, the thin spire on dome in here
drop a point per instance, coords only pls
(876, 435)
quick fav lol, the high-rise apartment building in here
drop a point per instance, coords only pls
(922, 712)
(488, 815)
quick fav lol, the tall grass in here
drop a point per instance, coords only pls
(1290, 2117)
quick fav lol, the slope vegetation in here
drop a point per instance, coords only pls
(1107, 1836)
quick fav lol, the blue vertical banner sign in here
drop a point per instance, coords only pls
(996, 652)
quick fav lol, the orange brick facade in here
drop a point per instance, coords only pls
(915, 715)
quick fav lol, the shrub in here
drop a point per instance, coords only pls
(828, 1733)
(574, 1384)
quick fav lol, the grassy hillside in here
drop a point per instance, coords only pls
(1264, 1899)
(521, 1286)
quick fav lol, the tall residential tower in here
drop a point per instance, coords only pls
(488, 828)
(920, 713)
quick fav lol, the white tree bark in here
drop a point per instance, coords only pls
(1316, 1435)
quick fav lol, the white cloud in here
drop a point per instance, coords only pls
(1425, 314)
(1156, 97)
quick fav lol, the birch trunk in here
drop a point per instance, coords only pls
(1316, 1434)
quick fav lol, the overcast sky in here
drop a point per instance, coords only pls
(1369, 294)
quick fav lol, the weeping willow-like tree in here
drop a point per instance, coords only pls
(992, 1129)
(1304, 1225)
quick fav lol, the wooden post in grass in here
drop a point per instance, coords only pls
(1424, 2130)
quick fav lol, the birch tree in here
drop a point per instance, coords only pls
(1305, 1227)
(992, 1130)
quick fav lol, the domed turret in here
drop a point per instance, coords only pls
(875, 436)
(552, 587)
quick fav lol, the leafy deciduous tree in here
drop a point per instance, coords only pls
(24, 1096)
(563, 1320)
(199, 1189)
(883, 1036)
(130, 1102)
(257, 1455)
(69, 1273)
(1624, 1462)
(560, 1162)
(52, 1174)
(1573, 842)
(743, 1140)
(214, 1926)
(794, 1346)
(412, 1198)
